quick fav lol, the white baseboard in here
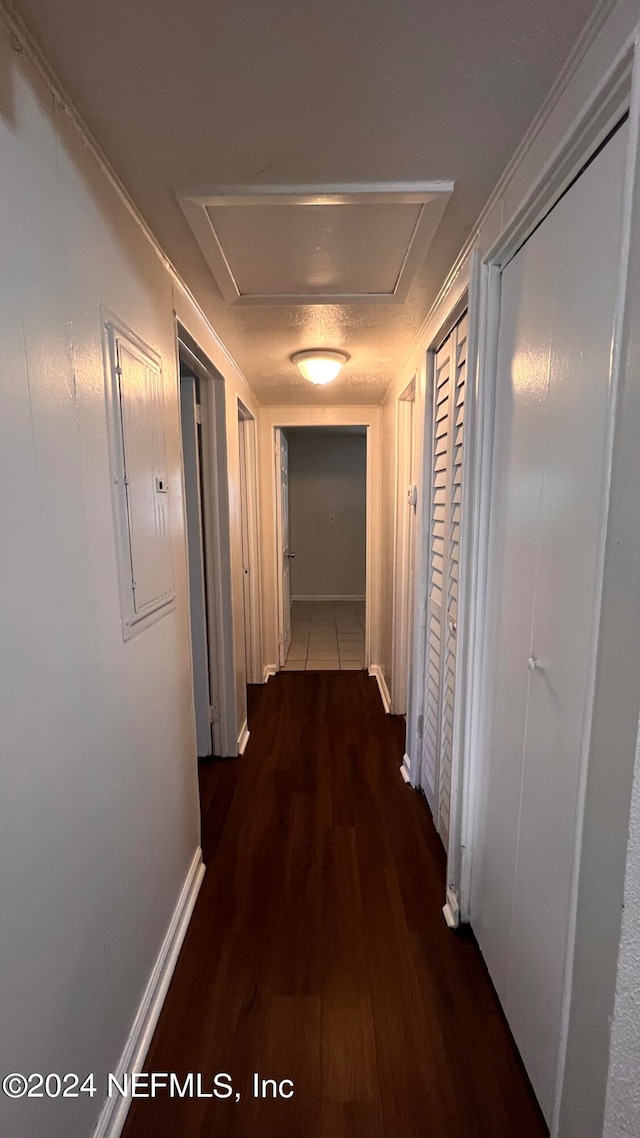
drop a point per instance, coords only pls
(376, 670)
(405, 769)
(116, 1108)
(269, 670)
(331, 597)
(243, 738)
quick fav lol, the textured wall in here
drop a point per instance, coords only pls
(622, 1114)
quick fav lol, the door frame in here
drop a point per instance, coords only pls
(614, 96)
(281, 652)
(445, 317)
(365, 416)
(248, 443)
(217, 542)
(404, 565)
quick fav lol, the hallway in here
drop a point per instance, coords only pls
(317, 951)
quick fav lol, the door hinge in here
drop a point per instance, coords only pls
(419, 726)
(213, 713)
(451, 910)
(198, 413)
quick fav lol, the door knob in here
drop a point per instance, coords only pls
(290, 555)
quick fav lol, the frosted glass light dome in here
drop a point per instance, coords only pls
(320, 366)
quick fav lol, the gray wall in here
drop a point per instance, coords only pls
(327, 478)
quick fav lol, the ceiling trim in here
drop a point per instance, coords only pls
(195, 202)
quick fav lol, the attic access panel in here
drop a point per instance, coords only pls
(315, 245)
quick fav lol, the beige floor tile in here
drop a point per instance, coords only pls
(346, 655)
(351, 665)
(324, 654)
(322, 666)
(294, 665)
(297, 653)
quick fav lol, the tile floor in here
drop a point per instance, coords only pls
(326, 636)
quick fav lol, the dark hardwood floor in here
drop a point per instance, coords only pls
(318, 952)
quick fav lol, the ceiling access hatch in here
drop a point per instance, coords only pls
(315, 244)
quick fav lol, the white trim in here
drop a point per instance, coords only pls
(279, 562)
(116, 335)
(403, 585)
(115, 1109)
(248, 457)
(195, 202)
(243, 738)
(330, 597)
(632, 78)
(376, 671)
(268, 671)
(405, 769)
(217, 542)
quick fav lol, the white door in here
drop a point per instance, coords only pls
(195, 547)
(557, 311)
(450, 374)
(285, 555)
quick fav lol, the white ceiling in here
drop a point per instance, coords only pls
(295, 92)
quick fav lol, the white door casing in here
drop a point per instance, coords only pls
(195, 548)
(282, 536)
(404, 560)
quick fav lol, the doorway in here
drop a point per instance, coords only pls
(205, 484)
(321, 497)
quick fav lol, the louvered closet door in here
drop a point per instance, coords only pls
(444, 562)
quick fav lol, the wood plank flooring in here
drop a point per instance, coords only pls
(318, 952)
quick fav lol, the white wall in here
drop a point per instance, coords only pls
(99, 818)
(622, 1117)
(327, 479)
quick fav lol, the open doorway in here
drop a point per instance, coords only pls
(202, 413)
(321, 516)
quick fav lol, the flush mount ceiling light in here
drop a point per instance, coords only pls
(320, 366)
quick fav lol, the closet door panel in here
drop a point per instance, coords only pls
(522, 379)
(437, 575)
(581, 237)
(449, 614)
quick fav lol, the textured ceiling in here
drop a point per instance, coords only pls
(292, 91)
